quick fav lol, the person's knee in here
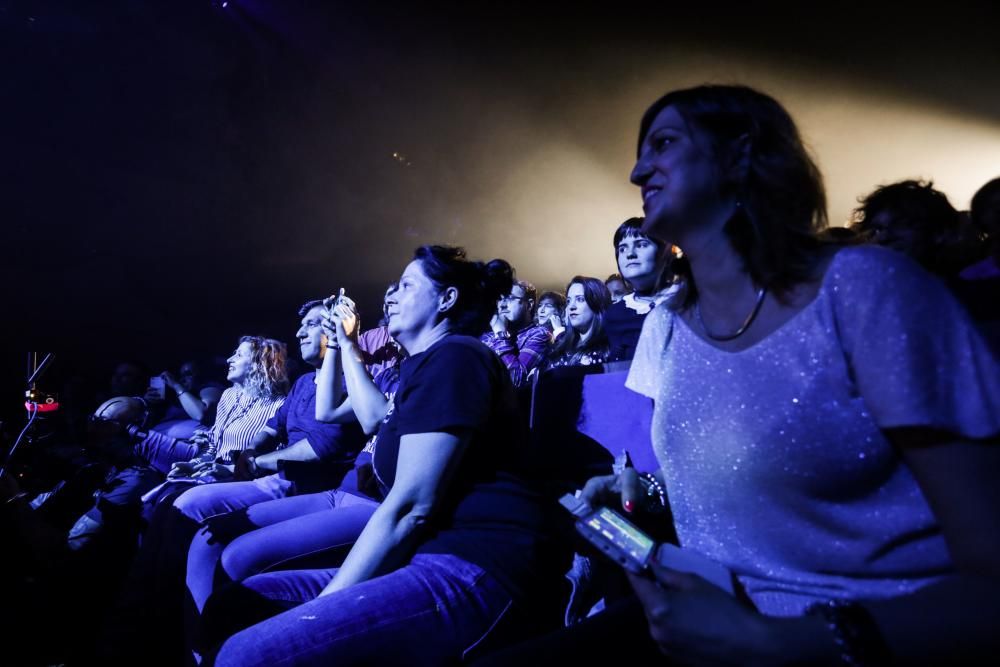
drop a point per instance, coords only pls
(197, 503)
(239, 560)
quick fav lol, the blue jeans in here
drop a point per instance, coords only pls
(430, 612)
(311, 530)
(201, 502)
(162, 451)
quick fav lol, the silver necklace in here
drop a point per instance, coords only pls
(746, 323)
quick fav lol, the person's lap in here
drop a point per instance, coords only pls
(429, 612)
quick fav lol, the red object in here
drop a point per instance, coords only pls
(42, 407)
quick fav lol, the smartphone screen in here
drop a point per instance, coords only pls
(618, 537)
(158, 385)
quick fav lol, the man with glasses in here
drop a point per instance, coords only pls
(514, 337)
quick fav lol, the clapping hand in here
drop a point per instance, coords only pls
(212, 469)
(344, 319)
(181, 469)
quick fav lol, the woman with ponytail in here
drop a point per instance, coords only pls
(455, 550)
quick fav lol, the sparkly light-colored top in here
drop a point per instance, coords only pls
(775, 459)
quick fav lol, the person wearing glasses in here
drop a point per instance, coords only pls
(521, 344)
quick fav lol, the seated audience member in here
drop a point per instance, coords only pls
(514, 337)
(292, 454)
(259, 384)
(315, 528)
(129, 378)
(584, 342)
(549, 314)
(459, 542)
(984, 215)
(917, 220)
(380, 350)
(978, 285)
(616, 287)
(292, 436)
(645, 263)
(817, 436)
(194, 397)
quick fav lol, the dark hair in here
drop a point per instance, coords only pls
(614, 276)
(632, 228)
(479, 285)
(389, 289)
(984, 210)
(931, 222)
(763, 164)
(555, 297)
(530, 292)
(597, 296)
(309, 305)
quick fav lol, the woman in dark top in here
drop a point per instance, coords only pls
(458, 542)
(584, 342)
(645, 263)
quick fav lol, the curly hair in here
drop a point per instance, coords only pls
(268, 375)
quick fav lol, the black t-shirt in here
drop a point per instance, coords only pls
(622, 326)
(492, 514)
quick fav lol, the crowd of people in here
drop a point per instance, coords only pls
(826, 420)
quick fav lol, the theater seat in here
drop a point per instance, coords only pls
(582, 417)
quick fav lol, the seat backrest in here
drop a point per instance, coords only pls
(581, 418)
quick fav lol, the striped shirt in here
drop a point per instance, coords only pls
(238, 418)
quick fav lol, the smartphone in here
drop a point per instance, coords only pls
(617, 537)
(159, 386)
(626, 544)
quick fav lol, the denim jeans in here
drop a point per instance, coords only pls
(201, 502)
(161, 451)
(311, 530)
(430, 612)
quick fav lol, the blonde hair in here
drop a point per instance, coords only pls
(268, 375)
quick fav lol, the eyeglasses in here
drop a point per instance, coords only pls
(509, 298)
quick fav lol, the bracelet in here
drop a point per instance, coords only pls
(854, 630)
(653, 490)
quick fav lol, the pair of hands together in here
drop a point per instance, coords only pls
(198, 468)
(341, 321)
(690, 619)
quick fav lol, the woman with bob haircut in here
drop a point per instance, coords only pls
(583, 342)
(457, 545)
(645, 262)
(826, 420)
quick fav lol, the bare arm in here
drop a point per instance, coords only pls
(367, 400)
(333, 405)
(197, 406)
(427, 462)
(299, 451)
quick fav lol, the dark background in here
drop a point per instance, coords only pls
(178, 173)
